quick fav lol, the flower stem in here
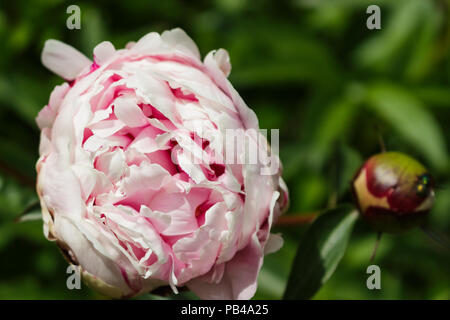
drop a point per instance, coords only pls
(296, 219)
(374, 252)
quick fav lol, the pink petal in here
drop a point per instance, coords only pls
(178, 39)
(223, 61)
(47, 115)
(92, 261)
(127, 110)
(103, 51)
(239, 279)
(112, 164)
(64, 60)
(145, 140)
(273, 244)
(214, 67)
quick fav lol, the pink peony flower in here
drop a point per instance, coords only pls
(119, 190)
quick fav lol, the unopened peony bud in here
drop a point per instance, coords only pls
(393, 191)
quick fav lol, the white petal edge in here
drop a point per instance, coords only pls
(273, 244)
(63, 60)
(103, 51)
(177, 37)
(223, 61)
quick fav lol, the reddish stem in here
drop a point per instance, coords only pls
(21, 178)
(296, 219)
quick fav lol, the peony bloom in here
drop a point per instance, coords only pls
(132, 178)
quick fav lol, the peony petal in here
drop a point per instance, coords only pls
(112, 164)
(214, 67)
(106, 128)
(145, 141)
(103, 51)
(177, 38)
(45, 144)
(153, 91)
(64, 60)
(91, 181)
(88, 257)
(273, 244)
(160, 220)
(127, 110)
(147, 44)
(46, 117)
(239, 280)
(223, 61)
(144, 177)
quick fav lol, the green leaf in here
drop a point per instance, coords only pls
(92, 30)
(434, 96)
(383, 50)
(320, 251)
(346, 162)
(336, 121)
(21, 104)
(406, 113)
(279, 57)
(423, 54)
(31, 213)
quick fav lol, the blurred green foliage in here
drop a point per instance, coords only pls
(310, 68)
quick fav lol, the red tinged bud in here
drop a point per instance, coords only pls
(393, 192)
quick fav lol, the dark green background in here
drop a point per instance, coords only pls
(310, 68)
